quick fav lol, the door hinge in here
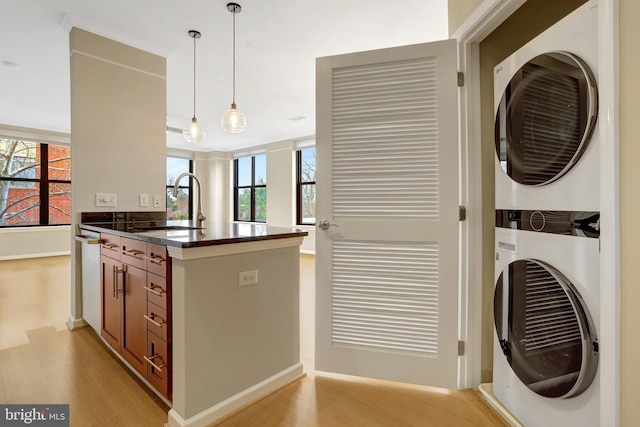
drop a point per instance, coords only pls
(460, 79)
(460, 348)
(462, 213)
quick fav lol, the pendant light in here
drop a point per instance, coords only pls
(233, 121)
(193, 132)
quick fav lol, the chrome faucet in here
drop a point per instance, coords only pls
(200, 216)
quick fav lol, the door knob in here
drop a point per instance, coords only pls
(324, 224)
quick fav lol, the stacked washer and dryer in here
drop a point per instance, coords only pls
(547, 260)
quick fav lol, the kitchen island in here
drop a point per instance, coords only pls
(235, 311)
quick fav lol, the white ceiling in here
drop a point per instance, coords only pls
(276, 45)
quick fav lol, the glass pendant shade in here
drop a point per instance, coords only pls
(233, 120)
(193, 132)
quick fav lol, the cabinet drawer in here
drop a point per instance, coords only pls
(110, 246)
(157, 259)
(158, 364)
(157, 290)
(133, 252)
(157, 321)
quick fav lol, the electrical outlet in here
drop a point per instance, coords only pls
(157, 201)
(248, 278)
(106, 199)
(144, 200)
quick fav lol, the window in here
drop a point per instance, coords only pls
(306, 186)
(35, 183)
(250, 188)
(180, 207)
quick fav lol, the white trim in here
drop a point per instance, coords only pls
(179, 153)
(34, 255)
(35, 135)
(609, 333)
(233, 248)
(73, 323)
(240, 401)
(117, 64)
(38, 229)
(254, 151)
(486, 390)
(486, 18)
(470, 298)
(305, 143)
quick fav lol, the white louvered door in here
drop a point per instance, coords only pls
(387, 182)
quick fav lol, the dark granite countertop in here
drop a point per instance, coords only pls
(182, 233)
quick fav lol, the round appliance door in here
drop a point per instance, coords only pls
(545, 118)
(544, 329)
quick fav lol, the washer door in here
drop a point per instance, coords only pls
(545, 118)
(544, 329)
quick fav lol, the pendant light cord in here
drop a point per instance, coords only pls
(194, 77)
(234, 59)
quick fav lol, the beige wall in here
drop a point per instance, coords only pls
(118, 131)
(459, 11)
(281, 187)
(629, 33)
(280, 175)
(213, 169)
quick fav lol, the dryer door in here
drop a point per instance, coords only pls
(544, 329)
(545, 118)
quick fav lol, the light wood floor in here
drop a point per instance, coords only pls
(43, 362)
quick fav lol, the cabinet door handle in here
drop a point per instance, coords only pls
(152, 289)
(152, 319)
(151, 359)
(117, 271)
(155, 259)
(115, 281)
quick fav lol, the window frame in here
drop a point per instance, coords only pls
(299, 185)
(189, 186)
(43, 184)
(252, 187)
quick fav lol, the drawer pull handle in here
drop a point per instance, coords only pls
(151, 359)
(109, 245)
(88, 240)
(152, 319)
(155, 259)
(133, 252)
(152, 289)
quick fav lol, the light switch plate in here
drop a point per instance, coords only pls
(106, 199)
(144, 200)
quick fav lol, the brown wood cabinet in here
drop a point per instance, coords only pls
(136, 306)
(158, 317)
(111, 313)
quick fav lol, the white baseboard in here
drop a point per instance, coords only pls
(34, 255)
(487, 392)
(239, 401)
(73, 323)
